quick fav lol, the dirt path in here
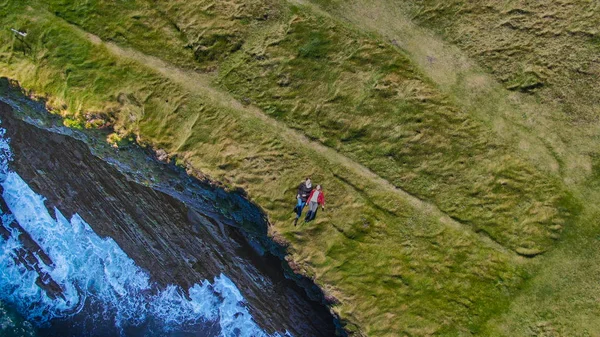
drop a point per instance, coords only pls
(520, 121)
(202, 84)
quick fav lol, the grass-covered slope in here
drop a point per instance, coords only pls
(427, 210)
(555, 124)
(354, 94)
(368, 101)
(549, 47)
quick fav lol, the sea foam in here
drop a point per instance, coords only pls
(95, 272)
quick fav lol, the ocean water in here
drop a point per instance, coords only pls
(103, 291)
(12, 324)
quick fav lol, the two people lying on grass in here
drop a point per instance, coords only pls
(311, 197)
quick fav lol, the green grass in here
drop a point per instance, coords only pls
(561, 299)
(396, 265)
(192, 35)
(550, 43)
(368, 101)
(545, 123)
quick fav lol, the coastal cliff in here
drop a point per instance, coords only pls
(212, 233)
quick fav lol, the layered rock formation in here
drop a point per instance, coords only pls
(177, 242)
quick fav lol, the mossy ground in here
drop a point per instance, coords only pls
(258, 94)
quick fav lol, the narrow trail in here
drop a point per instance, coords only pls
(458, 76)
(202, 84)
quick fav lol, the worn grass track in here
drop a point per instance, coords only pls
(202, 83)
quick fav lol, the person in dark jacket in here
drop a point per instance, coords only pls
(304, 191)
(315, 199)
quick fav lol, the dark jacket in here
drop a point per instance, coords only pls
(304, 191)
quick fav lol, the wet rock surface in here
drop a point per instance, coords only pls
(202, 233)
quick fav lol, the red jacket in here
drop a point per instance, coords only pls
(320, 198)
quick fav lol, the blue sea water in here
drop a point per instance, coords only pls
(103, 292)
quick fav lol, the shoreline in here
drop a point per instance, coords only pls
(164, 179)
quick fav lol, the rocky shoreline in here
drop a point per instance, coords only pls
(188, 229)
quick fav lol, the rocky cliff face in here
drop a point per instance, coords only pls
(200, 233)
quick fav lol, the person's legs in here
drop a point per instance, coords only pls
(312, 208)
(313, 215)
(299, 208)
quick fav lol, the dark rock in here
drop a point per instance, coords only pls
(176, 242)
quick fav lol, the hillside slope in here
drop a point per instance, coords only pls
(476, 57)
(432, 209)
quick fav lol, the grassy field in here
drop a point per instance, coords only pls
(360, 97)
(431, 207)
(553, 124)
(545, 47)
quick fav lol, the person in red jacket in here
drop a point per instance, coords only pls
(315, 199)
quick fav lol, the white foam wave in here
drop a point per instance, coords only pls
(89, 268)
